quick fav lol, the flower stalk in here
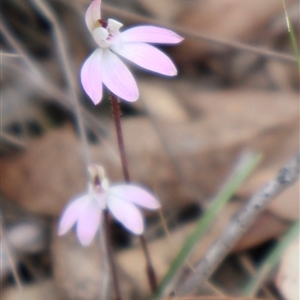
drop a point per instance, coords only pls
(104, 67)
(110, 255)
(149, 267)
(116, 111)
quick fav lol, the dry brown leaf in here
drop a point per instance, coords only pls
(265, 228)
(45, 290)
(162, 103)
(230, 19)
(164, 10)
(282, 75)
(80, 274)
(287, 204)
(77, 269)
(46, 176)
(288, 277)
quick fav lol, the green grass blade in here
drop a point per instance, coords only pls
(218, 203)
(271, 261)
(292, 35)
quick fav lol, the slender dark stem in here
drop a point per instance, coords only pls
(149, 268)
(110, 256)
(116, 111)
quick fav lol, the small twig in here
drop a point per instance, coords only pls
(171, 240)
(36, 273)
(110, 256)
(239, 225)
(60, 41)
(150, 270)
(248, 265)
(106, 280)
(17, 46)
(10, 257)
(9, 55)
(59, 97)
(45, 82)
(198, 35)
(11, 141)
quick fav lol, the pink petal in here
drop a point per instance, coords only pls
(148, 57)
(91, 78)
(134, 194)
(151, 34)
(117, 77)
(127, 214)
(88, 223)
(93, 14)
(72, 213)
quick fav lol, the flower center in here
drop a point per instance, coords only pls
(103, 23)
(107, 33)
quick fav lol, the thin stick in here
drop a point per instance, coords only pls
(116, 110)
(60, 42)
(110, 255)
(44, 80)
(11, 259)
(129, 15)
(248, 265)
(60, 97)
(171, 240)
(9, 55)
(149, 268)
(238, 226)
(11, 141)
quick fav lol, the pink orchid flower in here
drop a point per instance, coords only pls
(122, 200)
(104, 66)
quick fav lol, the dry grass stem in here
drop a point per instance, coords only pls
(239, 225)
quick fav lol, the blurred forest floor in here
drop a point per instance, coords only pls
(237, 90)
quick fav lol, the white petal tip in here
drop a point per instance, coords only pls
(85, 243)
(61, 230)
(180, 39)
(85, 240)
(96, 101)
(138, 231)
(169, 73)
(174, 73)
(130, 97)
